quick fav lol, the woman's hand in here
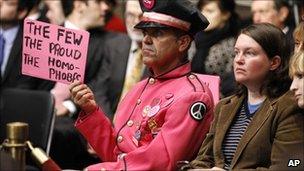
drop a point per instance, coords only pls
(83, 96)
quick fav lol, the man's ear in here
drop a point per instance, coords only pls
(184, 42)
(275, 63)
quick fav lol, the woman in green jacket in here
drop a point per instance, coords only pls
(261, 126)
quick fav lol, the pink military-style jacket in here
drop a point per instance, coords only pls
(160, 121)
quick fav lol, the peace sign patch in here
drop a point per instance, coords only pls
(198, 111)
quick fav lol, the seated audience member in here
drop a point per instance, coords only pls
(296, 72)
(260, 127)
(157, 111)
(298, 36)
(215, 45)
(276, 12)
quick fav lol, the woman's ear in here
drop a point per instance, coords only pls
(275, 63)
(184, 42)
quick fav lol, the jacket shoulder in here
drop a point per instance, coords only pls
(229, 99)
(286, 102)
(196, 83)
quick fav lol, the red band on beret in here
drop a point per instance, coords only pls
(166, 20)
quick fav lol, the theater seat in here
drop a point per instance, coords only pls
(33, 107)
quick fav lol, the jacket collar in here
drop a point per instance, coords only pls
(179, 71)
(227, 113)
(257, 122)
(229, 110)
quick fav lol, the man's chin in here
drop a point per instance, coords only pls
(148, 61)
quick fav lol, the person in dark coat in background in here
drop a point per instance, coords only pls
(68, 147)
(120, 60)
(276, 12)
(214, 45)
(12, 13)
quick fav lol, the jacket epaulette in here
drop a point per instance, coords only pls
(197, 84)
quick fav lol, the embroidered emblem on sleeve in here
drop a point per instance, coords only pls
(198, 111)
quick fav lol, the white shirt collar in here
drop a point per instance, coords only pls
(34, 16)
(285, 29)
(68, 24)
(10, 34)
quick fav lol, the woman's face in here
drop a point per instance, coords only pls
(214, 15)
(299, 44)
(297, 87)
(251, 63)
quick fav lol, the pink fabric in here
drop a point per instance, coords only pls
(178, 134)
(213, 82)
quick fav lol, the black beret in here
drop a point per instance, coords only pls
(181, 14)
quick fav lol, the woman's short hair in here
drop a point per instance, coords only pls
(296, 65)
(273, 41)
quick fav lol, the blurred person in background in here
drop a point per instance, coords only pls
(89, 16)
(276, 12)
(298, 36)
(120, 63)
(68, 148)
(215, 45)
(12, 13)
(113, 21)
(121, 68)
(54, 12)
(261, 126)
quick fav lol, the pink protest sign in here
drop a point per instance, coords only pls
(53, 52)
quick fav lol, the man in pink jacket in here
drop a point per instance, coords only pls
(164, 118)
